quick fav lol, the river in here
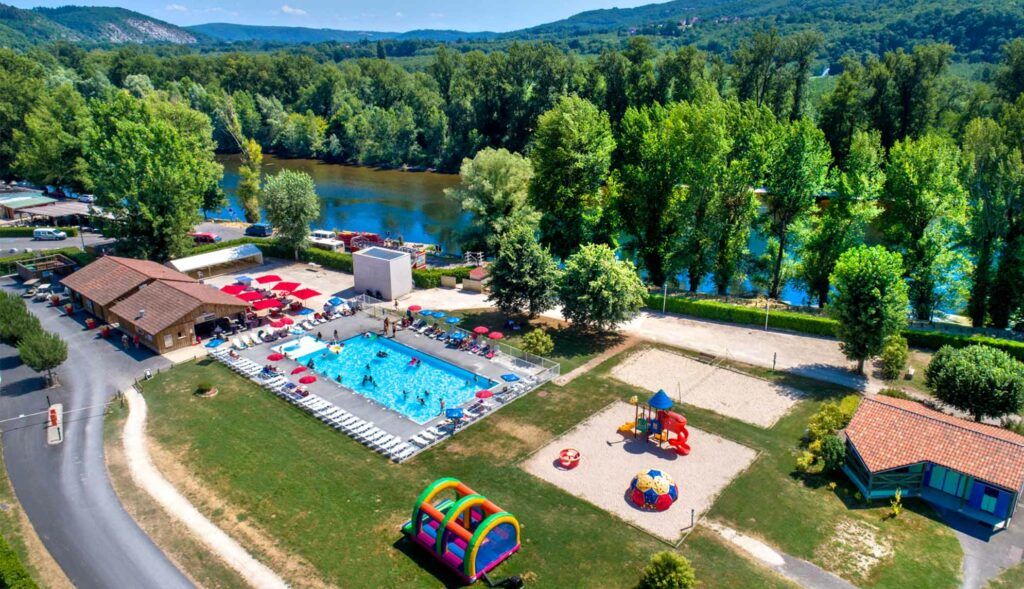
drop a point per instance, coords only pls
(389, 202)
(407, 204)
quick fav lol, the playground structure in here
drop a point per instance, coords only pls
(653, 490)
(654, 421)
(465, 532)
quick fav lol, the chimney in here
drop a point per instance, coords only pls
(142, 313)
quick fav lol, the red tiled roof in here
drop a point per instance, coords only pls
(890, 433)
(110, 278)
(168, 302)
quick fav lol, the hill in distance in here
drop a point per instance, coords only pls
(230, 33)
(86, 24)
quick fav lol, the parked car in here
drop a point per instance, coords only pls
(47, 234)
(259, 230)
(201, 238)
(86, 198)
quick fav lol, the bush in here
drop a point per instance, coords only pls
(980, 380)
(934, 340)
(538, 343)
(16, 322)
(205, 386)
(431, 277)
(805, 461)
(895, 394)
(13, 573)
(832, 417)
(668, 570)
(27, 231)
(833, 453)
(717, 311)
(894, 357)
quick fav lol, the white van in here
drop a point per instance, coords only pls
(44, 234)
(322, 234)
(326, 240)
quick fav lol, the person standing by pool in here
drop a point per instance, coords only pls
(387, 324)
(394, 330)
(335, 335)
(442, 407)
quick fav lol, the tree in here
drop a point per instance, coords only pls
(800, 166)
(925, 208)
(21, 86)
(1009, 79)
(248, 191)
(842, 224)
(1007, 297)
(151, 162)
(524, 275)
(43, 351)
(291, 203)
(895, 352)
(988, 176)
(571, 154)
(599, 291)
(668, 570)
(49, 148)
(494, 188)
(979, 380)
(15, 319)
(651, 195)
(870, 304)
(538, 343)
(833, 453)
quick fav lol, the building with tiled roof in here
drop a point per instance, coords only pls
(165, 315)
(958, 465)
(109, 279)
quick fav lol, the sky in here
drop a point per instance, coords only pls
(375, 15)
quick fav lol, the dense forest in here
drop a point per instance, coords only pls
(668, 154)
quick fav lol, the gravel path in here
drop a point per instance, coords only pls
(146, 475)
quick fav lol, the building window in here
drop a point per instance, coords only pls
(947, 481)
(989, 500)
(168, 340)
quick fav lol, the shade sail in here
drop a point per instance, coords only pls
(268, 278)
(250, 297)
(233, 289)
(286, 286)
(266, 304)
(306, 293)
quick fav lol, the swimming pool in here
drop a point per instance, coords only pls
(399, 385)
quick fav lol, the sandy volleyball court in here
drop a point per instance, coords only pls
(702, 385)
(610, 460)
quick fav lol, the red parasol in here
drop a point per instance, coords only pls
(266, 304)
(415, 308)
(287, 321)
(286, 286)
(250, 297)
(484, 394)
(306, 293)
(496, 335)
(277, 324)
(275, 357)
(233, 289)
(300, 370)
(480, 330)
(268, 278)
(307, 380)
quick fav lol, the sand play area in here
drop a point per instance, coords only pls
(610, 460)
(718, 389)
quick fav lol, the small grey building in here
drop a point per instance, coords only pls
(388, 272)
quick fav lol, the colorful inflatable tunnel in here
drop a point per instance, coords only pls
(462, 529)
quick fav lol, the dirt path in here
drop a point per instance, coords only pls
(146, 476)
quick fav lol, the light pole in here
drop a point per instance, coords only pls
(664, 298)
(767, 307)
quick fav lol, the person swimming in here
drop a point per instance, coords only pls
(382, 354)
(311, 365)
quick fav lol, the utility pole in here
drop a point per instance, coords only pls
(767, 306)
(664, 298)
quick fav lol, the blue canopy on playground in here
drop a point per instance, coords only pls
(660, 401)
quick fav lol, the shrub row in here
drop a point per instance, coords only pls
(27, 231)
(810, 324)
(718, 311)
(12, 572)
(431, 277)
(81, 258)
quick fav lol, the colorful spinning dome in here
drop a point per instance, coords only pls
(653, 490)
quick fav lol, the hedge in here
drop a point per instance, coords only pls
(802, 323)
(12, 572)
(744, 315)
(431, 277)
(27, 231)
(81, 258)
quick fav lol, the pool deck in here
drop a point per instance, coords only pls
(387, 419)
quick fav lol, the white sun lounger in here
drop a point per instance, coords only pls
(386, 439)
(437, 433)
(387, 447)
(237, 344)
(360, 427)
(400, 456)
(421, 442)
(372, 434)
(427, 436)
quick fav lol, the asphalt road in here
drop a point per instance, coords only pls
(23, 243)
(64, 489)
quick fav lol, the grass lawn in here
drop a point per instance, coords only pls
(1011, 578)
(573, 347)
(338, 505)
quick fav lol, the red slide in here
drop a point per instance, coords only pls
(676, 423)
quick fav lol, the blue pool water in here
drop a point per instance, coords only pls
(433, 380)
